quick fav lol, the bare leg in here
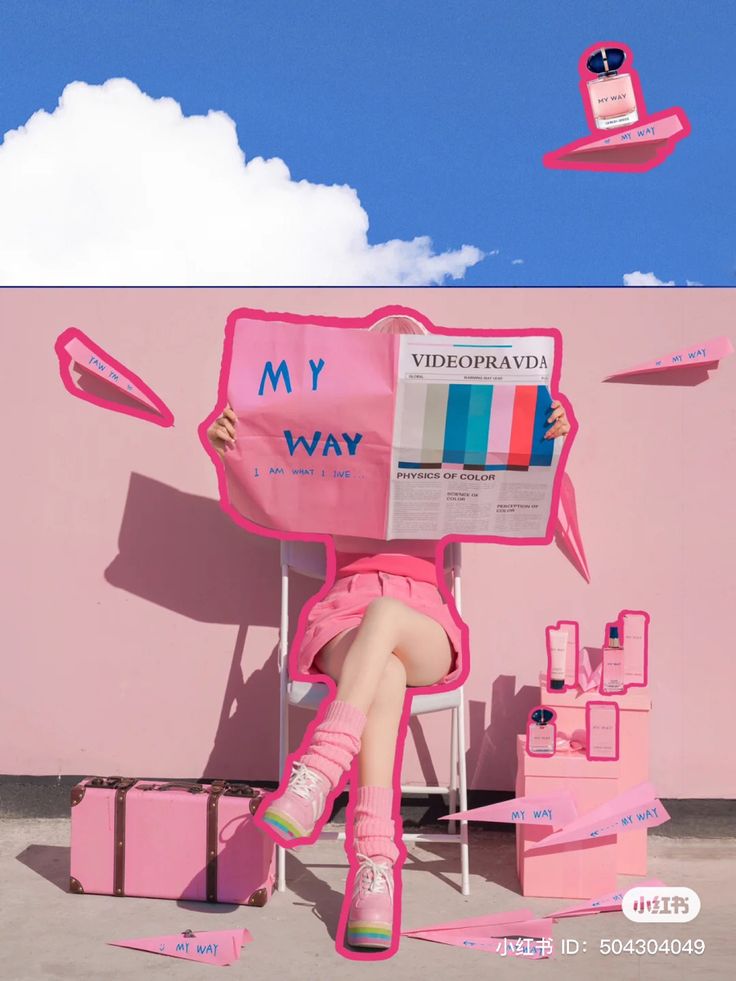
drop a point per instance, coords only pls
(378, 745)
(357, 658)
(393, 646)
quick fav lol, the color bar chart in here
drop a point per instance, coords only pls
(474, 427)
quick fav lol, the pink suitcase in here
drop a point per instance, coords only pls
(170, 840)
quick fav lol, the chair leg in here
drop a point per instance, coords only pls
(283, 750)
(283, 661)
(464, 848)
(453, 772)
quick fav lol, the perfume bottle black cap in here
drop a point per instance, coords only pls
(606, 61)
(542, 716)
(556, 684)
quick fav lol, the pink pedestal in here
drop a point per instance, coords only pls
(634, 706)
(577, 870)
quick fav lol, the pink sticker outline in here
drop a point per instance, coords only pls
(647, 621)
(327, 540)
(564, 158)
(619, 622)
(157, 412)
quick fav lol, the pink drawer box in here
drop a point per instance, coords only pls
(634, 711)
(577, 870)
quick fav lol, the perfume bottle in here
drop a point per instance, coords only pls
(611, 95)
(541, 732)
(613, 675)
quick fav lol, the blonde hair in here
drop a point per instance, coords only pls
(398, 324)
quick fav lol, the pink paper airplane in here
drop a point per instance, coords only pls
(637, 140)
(637, 807)
(653, 131)
(638, 147)
(601, 904)
(218, 947)
(472, 925)
(556, 809)
(707, 353)
(528, 948)
(508, 934)
(106, 382)
(526, 943)
(567, 529)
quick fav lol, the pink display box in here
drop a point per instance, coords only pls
(576, 870)
(634, 708)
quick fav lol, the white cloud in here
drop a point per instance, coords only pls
(116, 187)
(517, 262)
(692, 282)
(644, 279)
(494, 252)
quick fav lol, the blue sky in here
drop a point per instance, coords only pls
(436, 113)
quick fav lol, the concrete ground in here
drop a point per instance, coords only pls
(46, 932)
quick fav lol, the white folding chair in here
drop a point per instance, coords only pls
(308, 558)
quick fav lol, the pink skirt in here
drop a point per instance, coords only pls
(345, 604)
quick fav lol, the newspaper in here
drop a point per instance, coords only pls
(468, 454)
(383, 436)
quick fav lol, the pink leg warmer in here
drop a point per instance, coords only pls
(374, 827)
(336, 740)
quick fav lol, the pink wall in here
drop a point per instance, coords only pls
(139, 624)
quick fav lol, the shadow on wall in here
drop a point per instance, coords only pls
(101, 389)
(494, 747)
(182, 552)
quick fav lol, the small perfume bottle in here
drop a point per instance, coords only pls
(611, 95)
(541, 732)
(613, 677)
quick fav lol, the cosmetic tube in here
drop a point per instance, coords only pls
(556, 658)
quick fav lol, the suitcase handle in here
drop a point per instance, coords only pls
(112, 783)
(193, 788)
(226, 787)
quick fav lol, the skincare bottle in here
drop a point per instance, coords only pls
(636, 646)
(556, 658)
(562, 655)
(541, 732)
(602, 730)
(611, 95)
(612, 671)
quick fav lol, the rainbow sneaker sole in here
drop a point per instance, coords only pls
(285, 826)
(361, 933)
